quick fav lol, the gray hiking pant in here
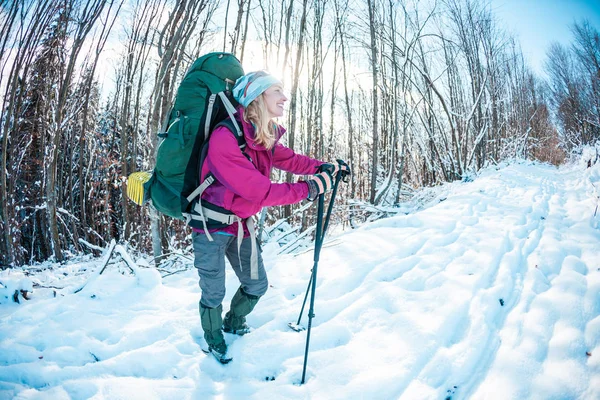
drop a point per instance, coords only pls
(209, 259)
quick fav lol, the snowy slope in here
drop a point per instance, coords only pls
(491, 292)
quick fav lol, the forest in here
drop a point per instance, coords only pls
(410, 93)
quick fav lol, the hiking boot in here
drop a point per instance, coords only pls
(219, 353)
(241, 331)
(242, 304)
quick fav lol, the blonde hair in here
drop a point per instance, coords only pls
(265, 129)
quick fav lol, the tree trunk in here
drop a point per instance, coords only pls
(294, 95)
(245, 35)
(347, 102)
(288, 27)
(374, 69)
(238, 26)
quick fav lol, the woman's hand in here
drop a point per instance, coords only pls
(335, 167)
(319, 183)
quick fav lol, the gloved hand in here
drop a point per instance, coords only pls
(319, 183)
(346, 172)
(336, 167)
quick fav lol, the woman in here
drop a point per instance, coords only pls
(243, 186)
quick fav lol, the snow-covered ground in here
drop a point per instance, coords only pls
(492, 291)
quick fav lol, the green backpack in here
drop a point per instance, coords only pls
(202, 102)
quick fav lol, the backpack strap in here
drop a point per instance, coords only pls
(231, 111)
(208, 117)
(200, 189)
(180, 135)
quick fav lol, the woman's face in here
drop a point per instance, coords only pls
(274, 101)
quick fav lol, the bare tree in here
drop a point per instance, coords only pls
(340, 18)
(172, 43)
(566, 94)
(586, 48)
(108, 22)
(237, 30)
(140, 39)
(375, 126)
(85, 17)
(22, 39)
(294, 94)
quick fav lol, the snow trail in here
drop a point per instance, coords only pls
(490, 292)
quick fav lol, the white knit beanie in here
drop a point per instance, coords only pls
(253, 84)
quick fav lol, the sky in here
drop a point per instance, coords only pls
(538, 23)
(487, 289)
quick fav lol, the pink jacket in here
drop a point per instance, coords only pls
(244, 186)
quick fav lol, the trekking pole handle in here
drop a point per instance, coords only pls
(344, 173)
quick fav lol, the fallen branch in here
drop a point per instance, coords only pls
(174, 272)
(107, 256)
(163, 256)
(292, 245)
(284, 234)
(91, 246)
(329, 243)
(38, 286)
(127, 258)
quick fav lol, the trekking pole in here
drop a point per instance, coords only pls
(318, 244)
(338, 177)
